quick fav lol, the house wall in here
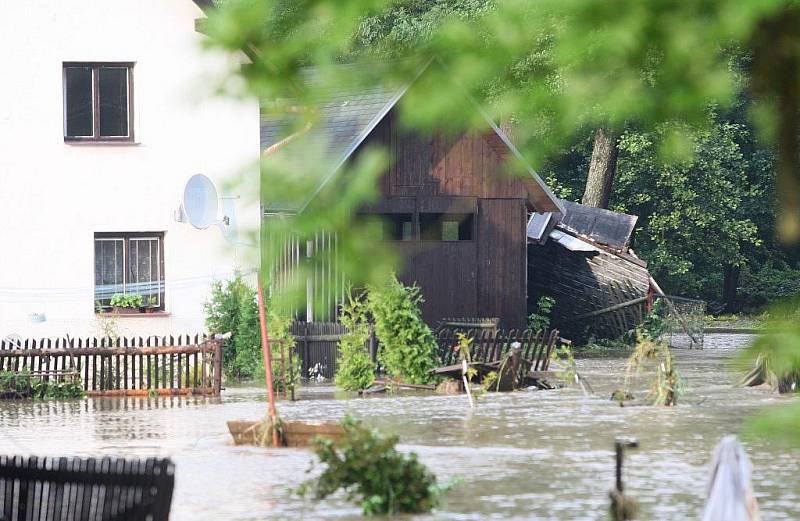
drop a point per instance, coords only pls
(54, 196)
(483, 277)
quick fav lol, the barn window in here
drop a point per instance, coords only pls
(131, 264)
(398, 226)
(446, 226)
(98, 102)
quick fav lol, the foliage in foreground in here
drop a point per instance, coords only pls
(408, 347)
(354, 367)
(233, 307)
(368, 467)
(780, 348)
(20, 385)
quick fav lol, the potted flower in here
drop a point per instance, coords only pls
(126, 304)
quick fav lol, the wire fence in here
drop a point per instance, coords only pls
(682, 321)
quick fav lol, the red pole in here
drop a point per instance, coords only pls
(267, 360)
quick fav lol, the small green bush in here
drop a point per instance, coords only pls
(540, 319)
(20, 385)
(233, 306)
(371, 471)
(354, 367)
(408, 347)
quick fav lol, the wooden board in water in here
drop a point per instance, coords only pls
(297, 433)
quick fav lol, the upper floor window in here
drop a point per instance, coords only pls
(98, 101)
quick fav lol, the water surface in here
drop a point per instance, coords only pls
(524, 455)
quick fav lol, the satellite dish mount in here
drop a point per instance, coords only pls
(201, 206)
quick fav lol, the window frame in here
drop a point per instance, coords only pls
(467, 217)
(126, 238)
(95, 67)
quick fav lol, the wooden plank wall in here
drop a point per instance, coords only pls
(580, 282)
(447, 272)
(501, 261)
(468, 165)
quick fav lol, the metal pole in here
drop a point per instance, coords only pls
(267, 361)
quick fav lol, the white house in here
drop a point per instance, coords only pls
(106, 110)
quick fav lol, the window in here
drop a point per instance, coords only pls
(129, 263)
(98, 102)
(398, 227)
(446, 226)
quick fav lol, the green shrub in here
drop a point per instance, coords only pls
(222, 314)
(233, 306)
(540, 319)
(408, 347)
(354, 367)
(371, 471)
(20, 384)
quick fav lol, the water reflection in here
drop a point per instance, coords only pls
(525, 455)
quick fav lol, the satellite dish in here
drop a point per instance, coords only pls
(200, 202)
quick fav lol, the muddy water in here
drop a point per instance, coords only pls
(524, 455)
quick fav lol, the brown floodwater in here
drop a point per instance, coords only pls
(523, 455)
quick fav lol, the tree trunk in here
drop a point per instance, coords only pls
(729, 286)
(602, 169)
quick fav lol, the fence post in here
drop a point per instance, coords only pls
(306, 352)
(217, 367)
(373, 345)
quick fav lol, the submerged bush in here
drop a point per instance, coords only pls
(21, 385)
(408, 347)
(233, 306)
(354, 367)
(372, 472)
(667, 386)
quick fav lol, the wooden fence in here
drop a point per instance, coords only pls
(125, 366)
(61, 489)
(317, 343)
(491, 345)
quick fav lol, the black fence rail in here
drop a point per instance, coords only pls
(61, 489)
(124, 366)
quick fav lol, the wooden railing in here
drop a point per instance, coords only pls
(137, 366)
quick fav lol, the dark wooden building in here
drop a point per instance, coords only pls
(450, 208)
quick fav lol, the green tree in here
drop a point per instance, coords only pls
(232, 307)
(408, 347)
(354, 367)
